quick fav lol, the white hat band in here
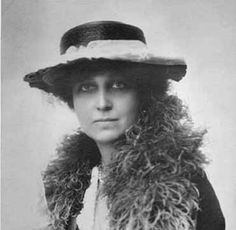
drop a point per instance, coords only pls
(112, 49)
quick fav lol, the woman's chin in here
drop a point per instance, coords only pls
(106, 137)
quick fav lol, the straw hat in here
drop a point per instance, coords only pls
(105, 43)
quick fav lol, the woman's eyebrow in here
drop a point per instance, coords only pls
(88, 80)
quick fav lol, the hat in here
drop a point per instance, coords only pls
(110, 42)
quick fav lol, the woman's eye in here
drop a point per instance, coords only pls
(119, 85)
(86, 88)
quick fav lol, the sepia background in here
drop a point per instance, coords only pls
(203, 32)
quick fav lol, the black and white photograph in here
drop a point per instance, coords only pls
(118, 115)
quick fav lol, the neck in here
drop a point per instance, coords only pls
(107, 151)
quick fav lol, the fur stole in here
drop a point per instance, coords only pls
(148, 183)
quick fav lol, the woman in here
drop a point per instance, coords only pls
(150, 167)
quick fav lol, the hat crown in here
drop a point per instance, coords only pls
(100, 30)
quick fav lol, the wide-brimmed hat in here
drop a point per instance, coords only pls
(109, 43)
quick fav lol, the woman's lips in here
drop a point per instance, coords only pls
(105, 120)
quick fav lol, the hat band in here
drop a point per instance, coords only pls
(112, 49)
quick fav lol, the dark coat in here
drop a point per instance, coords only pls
(210, 216)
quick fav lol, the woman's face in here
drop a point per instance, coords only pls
(106, 105)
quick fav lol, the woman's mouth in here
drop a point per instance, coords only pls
(105, 120)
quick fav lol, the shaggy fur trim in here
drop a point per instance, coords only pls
(67, 178)
(148, 183)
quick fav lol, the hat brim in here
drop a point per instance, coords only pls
(162, 68)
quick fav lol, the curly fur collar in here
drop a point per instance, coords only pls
(148, 183)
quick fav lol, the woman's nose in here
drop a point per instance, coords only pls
(104, 102)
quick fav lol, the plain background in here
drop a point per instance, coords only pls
(203, 32)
